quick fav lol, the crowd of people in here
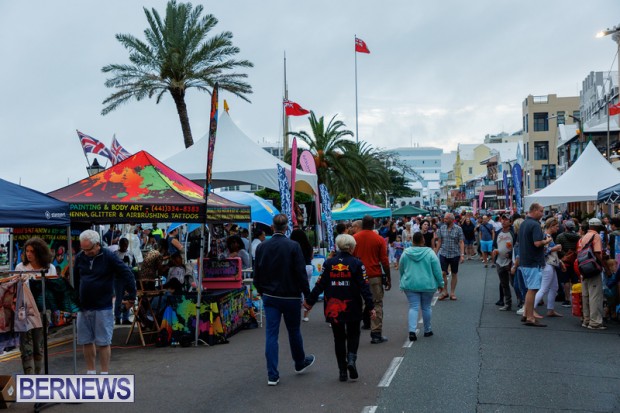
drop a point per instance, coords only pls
(537, 260)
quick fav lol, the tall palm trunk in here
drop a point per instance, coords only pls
(179, 100)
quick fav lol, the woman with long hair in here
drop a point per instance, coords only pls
(37, 256)
(549, 285)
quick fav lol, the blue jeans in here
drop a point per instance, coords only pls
(275, 308)
(120, 312)
(415, 299)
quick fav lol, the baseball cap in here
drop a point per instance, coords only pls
(594, 221)
(569, 223)
(505, 216)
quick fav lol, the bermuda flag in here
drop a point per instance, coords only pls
(360, 46)
(92, 145)
(118, 152)
(293, 109)
(614, 110)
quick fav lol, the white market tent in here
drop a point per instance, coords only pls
(590, 174)
(237, 160)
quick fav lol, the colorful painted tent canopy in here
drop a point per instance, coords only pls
(142, 189)
(356, 209)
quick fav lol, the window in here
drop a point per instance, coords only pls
(541, 123)
(540, 182)
(551, 169)
(576, 114)
(561, 117)
(525, 123)
(471, 170)
(541, 151)
(540, 99)
(527, 151)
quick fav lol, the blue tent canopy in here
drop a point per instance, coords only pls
(25, 207)
(261, 210)
(356, 209)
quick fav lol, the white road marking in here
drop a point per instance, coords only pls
(435, 298)
(409, 343)
(369, 409)
(390, 372)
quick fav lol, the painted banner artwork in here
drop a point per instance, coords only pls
(481, 199)
(285, 198)
(516, 183)
(306, 161)
(293, 176)
(327, 212)
(506, 189)
(49, 234)
(474, 205)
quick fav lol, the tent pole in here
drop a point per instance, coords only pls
(11, 251)
(70, 249)
(199, 281)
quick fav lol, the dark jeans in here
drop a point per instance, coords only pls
(275, 309)
(346, 339)
(504, 283)
(119, 309)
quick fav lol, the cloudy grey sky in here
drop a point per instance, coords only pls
(439, 73)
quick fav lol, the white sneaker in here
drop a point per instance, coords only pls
(306, 319)
(520, 311)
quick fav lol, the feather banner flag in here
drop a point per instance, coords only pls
(293, 176)
(506, 191)
(306, 162)
(327, 212)
(285, 198)
(516, 184)
(212, 133)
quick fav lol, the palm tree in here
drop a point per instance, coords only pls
(342, 165)
(177, 55)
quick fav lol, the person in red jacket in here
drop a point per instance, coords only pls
(371, 249)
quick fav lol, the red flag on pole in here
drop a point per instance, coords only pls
(360, 46)
(614, 110)
(293, 109)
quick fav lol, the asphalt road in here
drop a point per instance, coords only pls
(479, 360)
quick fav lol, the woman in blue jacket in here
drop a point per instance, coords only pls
(420, 277)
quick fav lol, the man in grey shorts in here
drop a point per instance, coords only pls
(94, 272)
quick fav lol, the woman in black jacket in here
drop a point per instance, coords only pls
(345, 284)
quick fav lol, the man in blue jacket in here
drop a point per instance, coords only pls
(280, 278)
(94, 271)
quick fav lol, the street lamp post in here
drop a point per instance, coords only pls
(94, 168)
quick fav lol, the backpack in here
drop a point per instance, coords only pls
(589, 266)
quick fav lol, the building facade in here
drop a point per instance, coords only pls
(541, 117)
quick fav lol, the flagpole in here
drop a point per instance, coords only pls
(284, 116)
(356, 125)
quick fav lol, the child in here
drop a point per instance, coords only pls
(398, 250)
(178, 269)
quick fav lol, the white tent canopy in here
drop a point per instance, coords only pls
(590, 174)
(237, 160)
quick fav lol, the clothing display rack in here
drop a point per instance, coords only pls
(42, 273)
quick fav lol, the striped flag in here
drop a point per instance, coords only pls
(118, 152)
(92, 145)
